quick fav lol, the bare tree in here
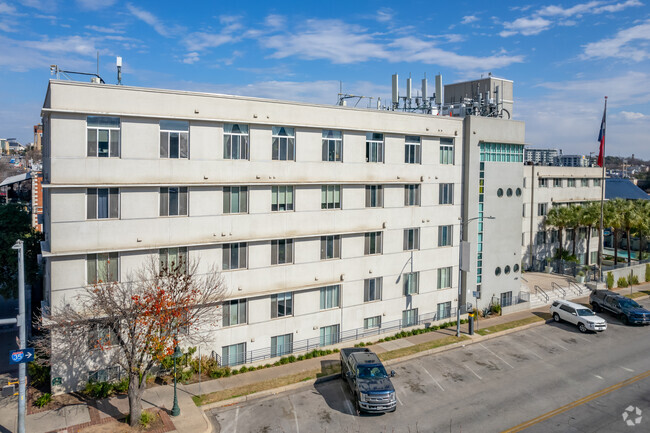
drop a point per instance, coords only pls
(140, 321)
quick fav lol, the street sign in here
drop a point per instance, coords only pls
(22, 356)
(476, 294)
(57, 381)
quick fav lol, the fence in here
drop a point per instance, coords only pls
(307, 345)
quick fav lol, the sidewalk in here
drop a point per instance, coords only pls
(193, 419)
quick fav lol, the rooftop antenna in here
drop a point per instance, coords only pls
(97, 62)
(118, 61)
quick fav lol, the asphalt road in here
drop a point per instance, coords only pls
(549, 378)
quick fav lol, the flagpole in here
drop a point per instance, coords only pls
(602, 195)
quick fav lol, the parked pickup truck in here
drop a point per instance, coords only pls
(368, 381)
(627, 310)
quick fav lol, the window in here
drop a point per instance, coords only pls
(103, 136)
(509, 192)
(447, 151)
(330, 247)
(596, 182)
(281, 345)
(412, 150)
(444, 310)
(554, 236)
(541, 238)
(372, 322)
(235, 199)
(411, 239)
(174, 138)
(102, 268)
(506, 269)
(515, 268)
(374, 196)
(173, 201)
(557, 183)
(372, 243)
(506, 299)
(497, 271)
(542, 209)
(518, 192)
(329, 335)
(234, 256)
(582, 233)
(281, 305)
(100, 335)
(411, 195)
(444, 277)
(594, 257)
(584, 182)
(571, 183)
(281, 251)
(330, 197)
(411, 283)
(543, 183)
(284, 144)
(372, 289)
(108, 374)
(233, 355)
(332, 145)
(445, 238)
(329, 297)
(374, 147)
(171, 258)
(234, 312)
(500, 192)
(281, 198)
(446, 193)
(102, 203)
(235, 141)
(410, 317)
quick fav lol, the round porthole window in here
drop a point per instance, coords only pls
(499, 192)
(515, 268)
(518, 192)
(497, 271)
(506, 270)
(509, 192)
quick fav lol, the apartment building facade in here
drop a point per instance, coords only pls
(327, 222)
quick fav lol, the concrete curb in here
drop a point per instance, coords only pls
(261, 394)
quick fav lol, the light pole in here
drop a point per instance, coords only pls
(460, 270)
(177, 354)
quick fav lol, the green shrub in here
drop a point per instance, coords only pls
(610, 280)
(98, 390)
(121, 386)
(495, 308)
(235, 372)
(39, 374)
(633, 280)
(622, 282)
(184, 375)
(146, 418)
(308, 355)
(647, 272)
(43, 400)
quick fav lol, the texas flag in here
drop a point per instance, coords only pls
(601, 137)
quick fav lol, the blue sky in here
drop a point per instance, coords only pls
(563, 57)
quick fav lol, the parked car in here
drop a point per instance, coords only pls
(579, 315)
(370, 384)
(627, 310)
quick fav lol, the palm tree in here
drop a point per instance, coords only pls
(590, 218)
(557, 217)
(573, 222)
(630, 216)
(612, 219)
(643, 225)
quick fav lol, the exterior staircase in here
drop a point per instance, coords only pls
(546, 288)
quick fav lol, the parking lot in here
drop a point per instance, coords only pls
(487, 386)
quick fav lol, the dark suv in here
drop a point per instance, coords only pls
(627, 310)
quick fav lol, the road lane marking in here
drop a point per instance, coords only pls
(628, 369)
(583, 338)
(599, 377)
(435, 381)
(523, 347)
(467, 366)
(577, 403)
(397, 397)
(295, 415)
(506, 362)
(553, 342)
(236, 418)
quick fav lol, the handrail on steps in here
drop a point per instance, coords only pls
(555, 285)
(571, 283)
(539, 289)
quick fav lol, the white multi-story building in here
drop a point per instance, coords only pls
(327, 221)
(545, 187)
(542, 156)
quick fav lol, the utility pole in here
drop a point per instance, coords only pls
(18, 246)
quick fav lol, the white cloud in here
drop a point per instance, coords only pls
(621, 45)
(101, 29)
(384, 15)
(526, 26)
(191, 58)
(94, 5)
(275, 21)
(617, 6)
(41, 5)
(199, 41)
(631, 115)
(71, 44)
(467, 19)
(151, 19)
(7, 9)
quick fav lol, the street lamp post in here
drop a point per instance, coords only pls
(460, 271)
(176, 410)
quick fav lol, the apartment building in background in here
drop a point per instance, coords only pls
(327, 222)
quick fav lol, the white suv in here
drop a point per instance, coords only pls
(577, 314)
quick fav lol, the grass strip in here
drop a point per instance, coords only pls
(638, 294)
(405, 351)
(514, 324)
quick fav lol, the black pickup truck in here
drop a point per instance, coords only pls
(370, 384)
(627, 310)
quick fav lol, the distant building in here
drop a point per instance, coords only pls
(573, 160)
(37, 200)
(484, 89)
(542, 156)
(4, 146)
(38, 136)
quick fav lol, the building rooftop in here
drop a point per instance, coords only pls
(623, 188)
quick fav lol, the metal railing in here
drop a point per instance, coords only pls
(310, 344)
(540, 290)
(556, 286)
(576, 287)
(523, 297)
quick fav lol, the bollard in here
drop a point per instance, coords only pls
(471, 324)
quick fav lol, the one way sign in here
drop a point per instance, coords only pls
(22, 356)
